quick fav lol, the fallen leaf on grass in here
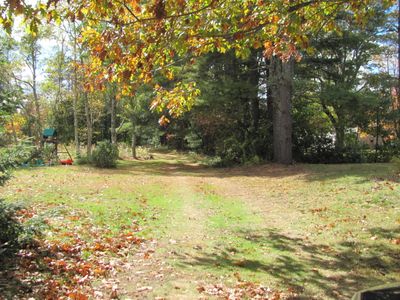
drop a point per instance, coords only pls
(68, 260)
(114, 294)
(144, 288)
(237, 276)
(240, 263)
(244, 290)
(395, 241)
(98, 294)
(317, 210)
(201, 289)
(77, 296)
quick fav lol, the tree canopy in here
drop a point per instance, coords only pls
(130, 41)
(241, 52)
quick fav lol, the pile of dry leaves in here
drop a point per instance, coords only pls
(245, 290)
(72, 260)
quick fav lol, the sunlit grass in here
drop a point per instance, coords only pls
(314, 228)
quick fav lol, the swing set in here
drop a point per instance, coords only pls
(49, 137)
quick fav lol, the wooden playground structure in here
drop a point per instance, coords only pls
(49, 137)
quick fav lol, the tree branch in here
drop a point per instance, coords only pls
(23, 81)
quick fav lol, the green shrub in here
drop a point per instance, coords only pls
(10, 227)
(105, 155)
(230, 152)
(216, 162)
(396, 162)
(193, 141)
(144, 153)
(31, 229)
(83, 160)
(253, 161)
(11, 158)
(13, 234)
(48, 152)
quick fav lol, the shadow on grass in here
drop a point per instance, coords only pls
(11, 286)
(172, 166)
(34, 273)
(335, 272)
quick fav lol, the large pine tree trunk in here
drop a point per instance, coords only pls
(281, 74)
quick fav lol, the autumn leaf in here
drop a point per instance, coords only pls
(395, 241)
(163, 121)
(77, 296)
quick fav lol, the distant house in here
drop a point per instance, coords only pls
(369, 139)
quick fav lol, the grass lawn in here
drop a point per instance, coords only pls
(172, 228)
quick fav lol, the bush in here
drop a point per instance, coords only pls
(193, 141)
(396, 162)
(230, 152)
(83, 160)
(10, 227)
(372, 156)
(331, 156)
(10, 158)
(144, 153)
(216, 162)
(31, 229)
(48, 152)
(13, 234)
(253, 161)
(105, 155)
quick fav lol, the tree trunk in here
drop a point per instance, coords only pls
(60, 77)
(396, 107)
(75, 100)
(255, 113)
(134, 138)
(281, 74)
(377, 133)
(397, 88)
(254, 78)
(337, 124)
(339, 141)
(270, 110)
(14, 132)
(39, 129)
(113, 127)
(134, 156)
(89, 127)
(76, 132)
